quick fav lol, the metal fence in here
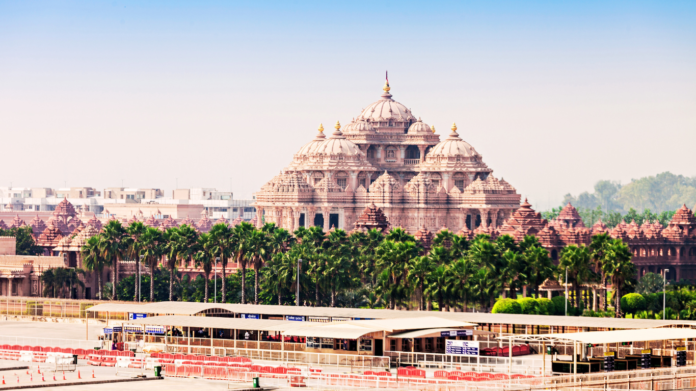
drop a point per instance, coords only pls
(49, 342)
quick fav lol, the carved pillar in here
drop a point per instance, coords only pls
(421, 148)
(9, 287)
(353, 180)
(446, 181)
(484, 217)
(403, 152)
(326, 211)
(380, 155)
(296, 216)
(494, 218)
(309, 218)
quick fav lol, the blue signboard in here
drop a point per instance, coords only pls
(456, 333)
(250, 316)
(108, 330)
(135, 316)
(462, 348)
(295, 318)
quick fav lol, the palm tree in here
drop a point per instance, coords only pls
(112, 248)
(338, 269)
(221, 247)
(72, 279)
(132, 242)
(181, 246)
(540, 267)
(438, 286)
(48, 280)
(257, 251)
(576, 259)
(60, 278)
(204, 260)
(599, 246)
(460, 273)
(392, 261)
(418, 271)
(240, 246)
(486, 257)
(400, 235)
(152, 249)
(618, 266)
(510, 272)
(93, 260)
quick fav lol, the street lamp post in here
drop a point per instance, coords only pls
(217, 259)
(664, 293)
(566, 296)
(297, 296)
(140, 273)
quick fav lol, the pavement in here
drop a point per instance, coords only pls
(48, 330)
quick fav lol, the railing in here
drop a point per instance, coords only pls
(520, 364)
(49, 342)
(411, 162)
(54, 308)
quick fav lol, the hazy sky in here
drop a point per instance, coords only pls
(554, 94)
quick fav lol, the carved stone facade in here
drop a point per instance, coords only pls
(389, 158)
(654, 247)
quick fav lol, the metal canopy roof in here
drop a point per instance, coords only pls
(186, 308)
(343, 331)
(431, 333)
(610, 336)
(211, 322)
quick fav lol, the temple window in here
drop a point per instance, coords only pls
(459, 183)
(342, 182)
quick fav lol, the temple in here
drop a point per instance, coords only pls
(388, 158)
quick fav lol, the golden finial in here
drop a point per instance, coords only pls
(386, 86)
(432, 127)
(454, 127)
(321, 128)
(337, 126)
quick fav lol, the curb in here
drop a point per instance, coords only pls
(86, 383)
(14, 368)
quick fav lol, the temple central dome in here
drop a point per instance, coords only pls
(386, 109)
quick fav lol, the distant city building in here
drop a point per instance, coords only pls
(122, 202)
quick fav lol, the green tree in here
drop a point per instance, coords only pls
(93, 260)
(204, 260)
(650, 283)
(152, 248)
(133, 246)
(25, 240)
(576, 259)
(240, 244)
(259, 248)
(221, 246)
(619, 268)
(112, 248)
(418, 272)
(392, 261)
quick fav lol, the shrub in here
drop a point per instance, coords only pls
(559, 305)
(507, 306)
(633, 302)
(546, 306)
(529, 305)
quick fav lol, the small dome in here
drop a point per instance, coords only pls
(419, 127)
(312, 145)
(360, 126)
(337, 144)
(453, 146)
